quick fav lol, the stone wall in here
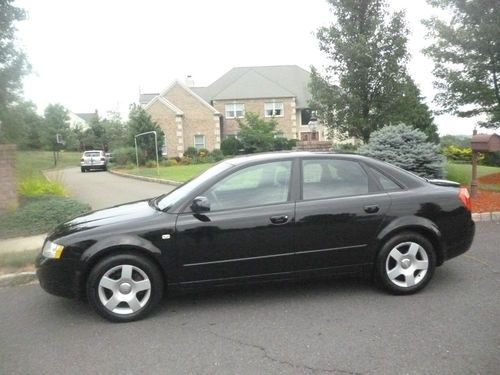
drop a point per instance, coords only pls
(8, 188)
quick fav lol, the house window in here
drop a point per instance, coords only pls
(199, 141)
(235, 110)
(273, 109)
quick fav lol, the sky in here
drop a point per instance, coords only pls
(100, 54)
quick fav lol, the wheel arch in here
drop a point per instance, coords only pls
(103, 253)
(419, 225)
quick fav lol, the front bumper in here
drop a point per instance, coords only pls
(58, 276)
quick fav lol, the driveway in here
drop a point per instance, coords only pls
(341, 326)
(102, 189)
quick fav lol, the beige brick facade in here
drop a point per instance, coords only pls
(197, 118)
(288, 123)
(8, 187)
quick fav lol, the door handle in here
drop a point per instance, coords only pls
(371, 209)
(281, 219)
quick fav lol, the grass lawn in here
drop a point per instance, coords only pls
(463, 173)
(179, 173)
(31, 163)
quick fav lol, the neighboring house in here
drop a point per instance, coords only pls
(202, 116)
(81, 120)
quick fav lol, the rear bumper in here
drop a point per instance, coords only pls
(464, 244)
(59, 277)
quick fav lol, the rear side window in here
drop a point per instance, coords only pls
(384, 181)
(330, 178)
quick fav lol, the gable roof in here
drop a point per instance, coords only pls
(146, 98)
(166, 103)
(192, 93)
(260, 82)
(87, 117)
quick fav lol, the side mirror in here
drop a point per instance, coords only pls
(200, 204)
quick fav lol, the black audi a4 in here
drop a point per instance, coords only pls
(258, 218)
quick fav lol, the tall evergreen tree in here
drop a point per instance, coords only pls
(466, 53)
(366, 85)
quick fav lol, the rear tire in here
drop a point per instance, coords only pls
(124, 287)
(406, 263)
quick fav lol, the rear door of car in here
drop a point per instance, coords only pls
(339, 214)
(248, 232)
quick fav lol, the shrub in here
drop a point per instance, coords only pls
(39, 186)
(126, 155)
(231, 146)
(191, 152)
(39, 215)
(202, 152)
(458, 154)
(407, 148)
(168, 163)
(150, 164)
(217, 155)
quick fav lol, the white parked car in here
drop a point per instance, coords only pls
(93, 159)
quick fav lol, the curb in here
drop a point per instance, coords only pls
(16, 279)
(148, 179)
(486, 216)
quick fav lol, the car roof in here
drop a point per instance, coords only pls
(243, 159)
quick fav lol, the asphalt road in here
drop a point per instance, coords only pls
(102, 189)
(342, 326)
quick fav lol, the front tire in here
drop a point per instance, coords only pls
(406, 263)
(125, 287)
(82, 169)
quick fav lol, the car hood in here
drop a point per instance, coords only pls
(129, 212)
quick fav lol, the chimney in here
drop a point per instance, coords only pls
(189, 81)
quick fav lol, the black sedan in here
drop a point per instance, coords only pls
(260, 218)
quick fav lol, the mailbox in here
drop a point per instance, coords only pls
(485, 142)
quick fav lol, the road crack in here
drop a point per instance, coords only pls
(269, 357)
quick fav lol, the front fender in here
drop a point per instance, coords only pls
(107, 244)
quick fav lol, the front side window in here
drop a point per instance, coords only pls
(273, 109)
(199, 141)
(235, 110)
(330, 178)
(261, 184)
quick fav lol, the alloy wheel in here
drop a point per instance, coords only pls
(407, 264)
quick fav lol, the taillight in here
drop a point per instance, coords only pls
(103, 159)
(463, 195)
(81, 159)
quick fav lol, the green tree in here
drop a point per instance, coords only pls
(56, 121)
(140, 122)
(407, 148)
(366, 85)
(256, 134)
(466, 54)
(23, 125)
(13, 65)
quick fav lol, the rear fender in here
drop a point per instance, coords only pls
(417, 224)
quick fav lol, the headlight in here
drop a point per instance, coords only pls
(52, 250)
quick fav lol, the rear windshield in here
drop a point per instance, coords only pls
(92, 153)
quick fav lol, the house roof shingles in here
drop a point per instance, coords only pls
(261, 82)
(255, 82)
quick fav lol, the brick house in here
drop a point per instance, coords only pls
(203, 116)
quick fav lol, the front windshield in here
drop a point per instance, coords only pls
(183, 191)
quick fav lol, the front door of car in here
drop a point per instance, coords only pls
(339, 215)
(247, 232)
